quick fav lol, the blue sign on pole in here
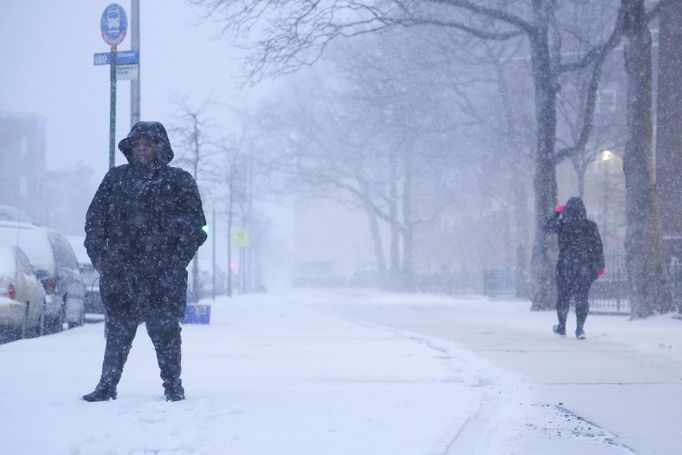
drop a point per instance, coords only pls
(122, 58)
(113, 24)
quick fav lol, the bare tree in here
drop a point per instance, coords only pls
(195, 155)
(300, 30)
(649, 282)
(337, 144)
(232, 194)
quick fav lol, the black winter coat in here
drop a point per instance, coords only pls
(580, 246)
(146, 220)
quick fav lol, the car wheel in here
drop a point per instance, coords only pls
(9, 334)
(62, 316)
(81, 316)
(57, 324)
(24, 325)
(80, 321)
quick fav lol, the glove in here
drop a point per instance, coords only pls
(601, 271)
(559, 208)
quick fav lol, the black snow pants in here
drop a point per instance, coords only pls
(130, 300)
(573, 283)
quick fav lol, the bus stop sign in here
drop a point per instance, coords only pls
(113, 24)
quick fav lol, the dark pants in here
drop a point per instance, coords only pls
(575, 285)
(130, 301)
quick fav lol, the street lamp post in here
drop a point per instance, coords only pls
(606, 157)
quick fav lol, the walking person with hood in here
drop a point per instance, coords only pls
(581, 261)
(143, 227)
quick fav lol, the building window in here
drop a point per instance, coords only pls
(606, 101)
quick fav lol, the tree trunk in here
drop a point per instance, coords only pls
(544, 180)
(378, 248)
(649, 283)
(580, 171)
(395, 227)
(408, 234)
(521, 224)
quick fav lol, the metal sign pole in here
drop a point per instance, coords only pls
(112, 108)
(135, 46)
(113, 26)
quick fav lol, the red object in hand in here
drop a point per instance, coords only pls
(601, 271)
(559, 208)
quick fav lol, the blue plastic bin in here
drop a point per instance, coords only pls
(197, 313)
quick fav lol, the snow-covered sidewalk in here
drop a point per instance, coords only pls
(357, 372)
(619, 391)
(272, 374)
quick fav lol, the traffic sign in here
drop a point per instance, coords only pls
(122, 58)
(241, 238)
(113, 24)
(127, 72)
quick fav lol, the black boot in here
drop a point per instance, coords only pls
(175, 393)
(165, 335)
(101, 393)
(559, 329)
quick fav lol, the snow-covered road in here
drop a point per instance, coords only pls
(354, 372)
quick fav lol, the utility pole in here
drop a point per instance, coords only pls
(213, 245)
(112, 108)
(135, 46)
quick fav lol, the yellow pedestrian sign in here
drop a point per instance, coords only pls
(241, 238)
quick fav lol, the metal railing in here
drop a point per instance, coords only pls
(608, 294)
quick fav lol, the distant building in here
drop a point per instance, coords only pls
(67, 196)
(22, 162)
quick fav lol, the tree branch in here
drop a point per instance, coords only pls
(598, 52)
(496, 36)
(492, 13)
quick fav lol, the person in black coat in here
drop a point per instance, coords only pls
(581, 261)
(143, 227)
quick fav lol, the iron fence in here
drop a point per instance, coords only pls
(448, 282)
(608, 294)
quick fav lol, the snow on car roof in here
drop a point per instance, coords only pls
(32, 240)
(10, 213)
(76, 242)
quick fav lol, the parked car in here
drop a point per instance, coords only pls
(316, 273)
(93, 299)
(22, 298)
(55, 265)
(10, 213)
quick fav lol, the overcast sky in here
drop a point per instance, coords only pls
(46, 53)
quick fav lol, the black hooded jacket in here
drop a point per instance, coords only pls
(580, 246)
(146, 218)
